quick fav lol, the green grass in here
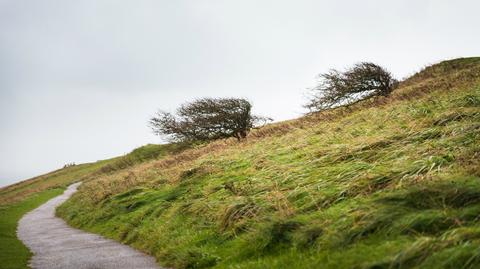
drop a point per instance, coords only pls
(13, 254)
(59, 178)
(18, 199)
(142, 154)
(85, 172)
(388, 183)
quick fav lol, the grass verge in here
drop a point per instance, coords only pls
(13, 253)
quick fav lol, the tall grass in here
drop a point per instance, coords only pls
(387, 183)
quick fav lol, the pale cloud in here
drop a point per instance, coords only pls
(79, 79)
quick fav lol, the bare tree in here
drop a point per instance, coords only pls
(361, 81)
(207, 119)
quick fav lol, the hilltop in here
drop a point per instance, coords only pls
(389, 182)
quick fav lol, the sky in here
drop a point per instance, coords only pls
(80, 79)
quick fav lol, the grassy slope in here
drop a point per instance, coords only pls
(18, 199)
(393, 182)
(83, 172)
(13, 254)
(59, 178)
(340, 188)
(389, 183)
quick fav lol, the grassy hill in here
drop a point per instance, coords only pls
(20, 198)
(390, 182)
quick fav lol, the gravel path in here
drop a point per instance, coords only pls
(57, 245)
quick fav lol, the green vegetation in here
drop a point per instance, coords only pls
(142, 154)
(390, 182)
(59, 178)
(13, 254)
(20, 198)
(84, 172)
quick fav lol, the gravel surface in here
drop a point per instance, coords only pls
(57, 245)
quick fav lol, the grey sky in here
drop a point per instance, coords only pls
(79, 79)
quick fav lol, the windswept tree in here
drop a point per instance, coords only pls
(207, 119)
(362, 81)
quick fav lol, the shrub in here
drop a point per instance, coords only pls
(361, 81)
(207, 119)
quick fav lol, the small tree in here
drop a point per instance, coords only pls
(207, 119)
(361, 81)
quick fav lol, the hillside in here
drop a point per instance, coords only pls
(22, 197)
(390, 182)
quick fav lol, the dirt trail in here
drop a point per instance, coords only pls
(57, 245)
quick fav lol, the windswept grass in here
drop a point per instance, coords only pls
(18, 199)
(85, 172)
(386, 183)
(142, 154)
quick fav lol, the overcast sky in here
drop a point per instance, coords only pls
(79, 79)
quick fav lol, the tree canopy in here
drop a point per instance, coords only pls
(207, 119)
